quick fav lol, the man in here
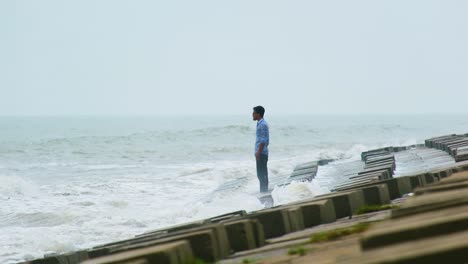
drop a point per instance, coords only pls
(261, 147)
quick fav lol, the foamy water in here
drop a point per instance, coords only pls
(72, 183)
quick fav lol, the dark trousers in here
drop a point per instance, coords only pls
(262, 172)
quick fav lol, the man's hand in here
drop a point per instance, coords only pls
(257, 156)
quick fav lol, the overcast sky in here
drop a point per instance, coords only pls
(223, 57)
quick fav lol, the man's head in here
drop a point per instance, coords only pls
(258, 113)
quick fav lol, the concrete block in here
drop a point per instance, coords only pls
(461, 155)
(241, 235)
(172, 253)
(430, 142)
(306, 165)
(390, 163)
(450, 248)
(231, 215)
(380, 158)
(460, 168)
(376, 195)
(204, 244)
(376, 152)
(450, 147)
(77, 257)
(46, 260)
(431, 201)
(275, 221)
(345, 203)
(323, 162)
(439, 144)
(461, 183)
(415, 227)
(375, 169)
(174, 228)
(428, 178)
(258, 233)
(397, 187)
(305, 171)
(459, 141)
(380, 174)
(296, 219)
(317, 212)
(416, 181)
(455, 177)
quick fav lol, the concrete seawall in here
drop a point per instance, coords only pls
(427, 181)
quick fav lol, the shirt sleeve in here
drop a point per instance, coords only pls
(263, 136)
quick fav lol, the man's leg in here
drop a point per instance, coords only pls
(259, 173)
(262, 172)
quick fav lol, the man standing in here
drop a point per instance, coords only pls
(261, 147)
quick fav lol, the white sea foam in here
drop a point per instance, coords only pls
(13, 186)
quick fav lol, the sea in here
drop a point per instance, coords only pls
(73, 182)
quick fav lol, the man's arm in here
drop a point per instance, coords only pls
(260, 149)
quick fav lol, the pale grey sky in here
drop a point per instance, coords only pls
(199, 57)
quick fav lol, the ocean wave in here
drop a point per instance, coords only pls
(35, 219)
(118, 204)
(192, 172)
(13, 186)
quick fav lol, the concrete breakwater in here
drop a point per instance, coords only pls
(436, 172)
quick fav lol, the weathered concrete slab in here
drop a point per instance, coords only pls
(431, 201)
(296, 219)
(356, 184)
(450, 248)
(429, 142)
(227, 216)
(453, 148)
(397, 187)
(275, 221)
(345, 203)
(310, 171)
(376, 152)
(172, 253)
(48, 260)
(389, 163)
(376, 195)
(307, 165)
(419, 161)
(461, 154)
(208, 242)
(380, 174)
(76, 257)
(318, 212)
(377, 159)
(241, 235)
(419, 226)
(170, 229)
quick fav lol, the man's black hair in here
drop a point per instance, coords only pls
(259, 109)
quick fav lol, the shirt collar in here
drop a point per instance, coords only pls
(259, 121)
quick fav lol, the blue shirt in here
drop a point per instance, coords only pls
(263, 136)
